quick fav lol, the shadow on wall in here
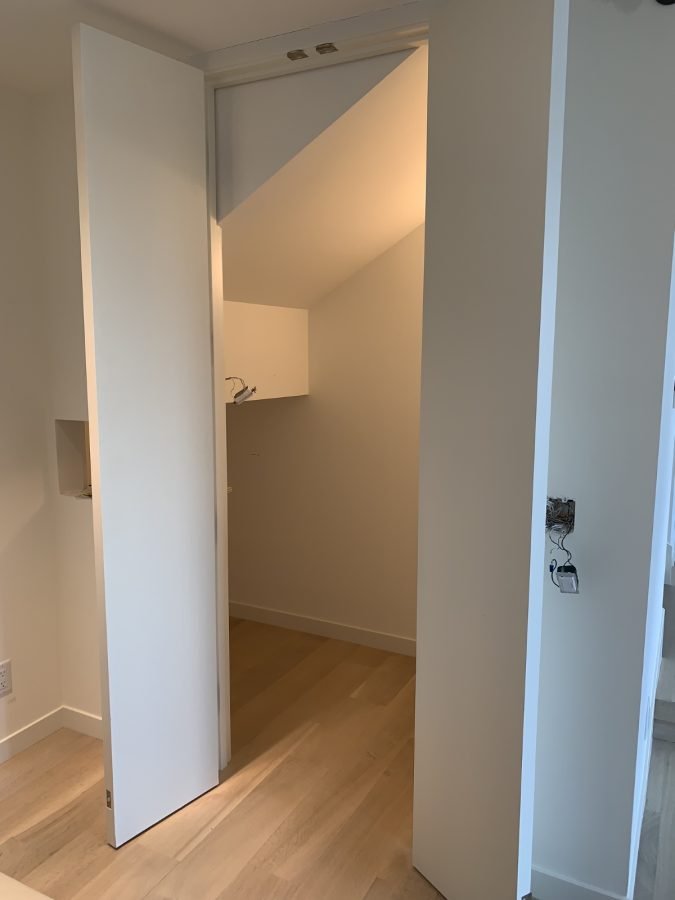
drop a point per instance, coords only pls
(323, 513)
(28, 612)
(628, 6)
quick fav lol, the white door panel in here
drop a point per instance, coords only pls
(142, 181)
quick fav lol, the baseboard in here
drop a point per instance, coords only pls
(61, 717)
(393, 643)
(30, 734)
(81, 721)
(548, 886)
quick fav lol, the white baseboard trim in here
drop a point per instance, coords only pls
(393, 643)
(549, 886)
(61, 717)
(81, 721)
(30, 734)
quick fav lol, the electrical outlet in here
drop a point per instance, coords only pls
(6, 678)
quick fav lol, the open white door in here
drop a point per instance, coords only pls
(141, 148)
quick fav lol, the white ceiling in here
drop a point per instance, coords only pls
(35, 34)
(344, 199)
(210, 24)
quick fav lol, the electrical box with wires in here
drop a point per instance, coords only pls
(560, 517)
(560, 514)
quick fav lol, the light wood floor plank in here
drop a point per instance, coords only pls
(666, 687)
(316, 804)
(664, 885)
(49, 791)
(215, 863)
(14, 890)
(656, 861)
(273, 653)
(74, 866)
(21, 771)
(129, 876)
(21, 856)
(305, 694)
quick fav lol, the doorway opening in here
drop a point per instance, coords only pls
(321, 193)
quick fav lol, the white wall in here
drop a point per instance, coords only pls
(496, 84)
(48, 617)
(261, 125)
(323, 514)
(267, 346)
(331, 209)
(600, 649)
(66, 394)
(28, 595)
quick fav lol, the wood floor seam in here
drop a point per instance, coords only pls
(315, 805)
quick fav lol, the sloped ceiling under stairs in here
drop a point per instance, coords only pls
(344, 198)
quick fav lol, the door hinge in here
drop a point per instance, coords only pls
(108, 799)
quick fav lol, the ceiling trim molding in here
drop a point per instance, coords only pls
(404, 27)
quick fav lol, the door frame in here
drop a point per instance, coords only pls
(215, 239)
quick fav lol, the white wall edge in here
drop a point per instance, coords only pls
(61, 717)
(542, 440)
(550, 886)
(393, 643)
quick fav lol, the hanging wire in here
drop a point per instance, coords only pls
(553, 566)
(235, 378)
(558, 534)
(563, 547)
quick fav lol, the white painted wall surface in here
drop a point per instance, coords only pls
(28, 594)
(323, 513)
(260, 126)
(489, 302)
(141, 141)
(66, 392)
(600, 649)
(332, 208)
(267, 346)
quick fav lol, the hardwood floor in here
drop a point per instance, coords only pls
(316, 804)
(656, 863)
(666, 687)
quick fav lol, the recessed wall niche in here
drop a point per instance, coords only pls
(72, 458)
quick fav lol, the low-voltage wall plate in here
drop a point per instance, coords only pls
(568, 579)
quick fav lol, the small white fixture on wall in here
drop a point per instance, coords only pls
(244, 393)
